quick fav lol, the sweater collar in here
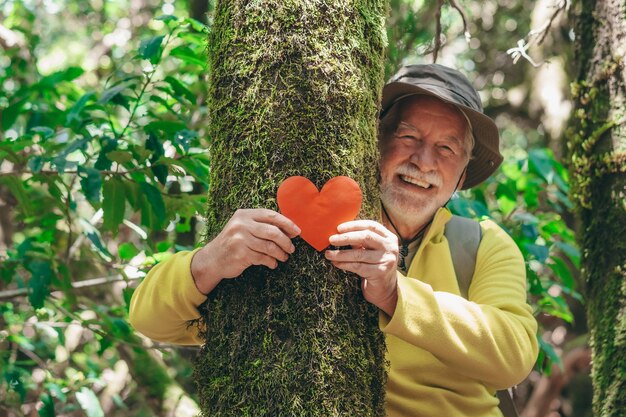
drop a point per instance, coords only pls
(434, 233)
(437, 227)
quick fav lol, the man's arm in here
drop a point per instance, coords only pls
(373, 256)
(167, 299)
(492, 336)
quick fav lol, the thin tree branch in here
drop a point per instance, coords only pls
(455, 5)
(21, 292)
(537, 36)
(459, 9)
(437, 30)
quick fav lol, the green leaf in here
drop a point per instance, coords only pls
(89, 402)
(120, 157)
(44, 131)
(539, 252)
(511, 171)
(91, 183)
(152, 207)
(506, 195)
(112, 92)
(160, 100)
(113, 203)
(107, 145)
(39, 284)
(16, 187)
(56, 391)
(153, 144)
(198, 39)
(163, 246)
(105, 343)
(127, 293)
(149, 48)
(72, 146)
(48, 406)
(166, 18)
(94, 237)
(458, 205)
(571, 251)
(10, 114)
(531, 194)
(187, 55)
(551, 355)
(132, 194)
(183, 138)
(127, 251)
(120, 328)
(165, 126)
(69, 74)
(198, 170)
(35, 164)
(562, 272)
(14, 377)
(541, 162)
(196, 24)
(73, 116)
(180, 88)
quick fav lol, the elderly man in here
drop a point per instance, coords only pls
(448, 353)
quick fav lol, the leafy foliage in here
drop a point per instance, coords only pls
(93, 177)
(528, 197)
(103, 173)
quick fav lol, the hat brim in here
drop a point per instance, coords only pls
(486, 157)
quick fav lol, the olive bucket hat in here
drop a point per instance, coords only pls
(452, 87)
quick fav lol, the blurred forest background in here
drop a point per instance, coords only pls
(104, 172)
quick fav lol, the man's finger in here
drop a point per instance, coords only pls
(272, 217)
(354, 255)
(257, 258)
(356, 225)
(268, 248)
(274, 234)
(359, 238)
(361, 269)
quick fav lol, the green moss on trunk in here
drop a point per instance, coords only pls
(598, 168)
(294, 90)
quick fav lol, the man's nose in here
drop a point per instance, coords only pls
(424, 158)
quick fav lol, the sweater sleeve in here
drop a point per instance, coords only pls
(492, 336)
(167, 299)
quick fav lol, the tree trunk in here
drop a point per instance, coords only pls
(294, 89)
(198, 9)
(598, 151)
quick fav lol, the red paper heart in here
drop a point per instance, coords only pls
(318, 213)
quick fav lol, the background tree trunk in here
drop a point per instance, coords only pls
(598, 151)
(294, 89)
(198, 9)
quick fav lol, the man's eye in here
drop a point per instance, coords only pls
(447, 149)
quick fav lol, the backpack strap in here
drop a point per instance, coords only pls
(464, 237)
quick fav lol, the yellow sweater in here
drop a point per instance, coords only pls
(447, 355)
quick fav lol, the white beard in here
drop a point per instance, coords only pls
(412, 211)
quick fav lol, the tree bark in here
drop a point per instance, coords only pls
(294, 89)
(598, 168)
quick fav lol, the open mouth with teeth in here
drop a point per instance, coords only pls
(416, 182)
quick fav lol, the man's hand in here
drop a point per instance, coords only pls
(373, 256)
(251, 237)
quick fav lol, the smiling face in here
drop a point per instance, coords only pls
(422, 157)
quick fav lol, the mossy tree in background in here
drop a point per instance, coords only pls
(294, 88)
(598, 166)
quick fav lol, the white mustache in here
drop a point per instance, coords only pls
(429, 177)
